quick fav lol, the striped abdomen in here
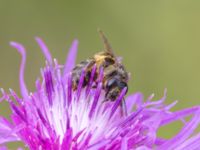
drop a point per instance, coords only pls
(77, 71)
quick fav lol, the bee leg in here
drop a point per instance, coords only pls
(123, 108)
(94, 86)
(105, 100)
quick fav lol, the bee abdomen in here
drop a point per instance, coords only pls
(78, 70)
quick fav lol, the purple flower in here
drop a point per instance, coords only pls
(54, 117)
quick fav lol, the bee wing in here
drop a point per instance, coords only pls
(107, 46)
(119, 59)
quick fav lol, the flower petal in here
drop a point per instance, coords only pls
(71, 58)
(185, 133)
(192, 143)
(22, 51)
(7, 131)
(135, 99)
(44, 49)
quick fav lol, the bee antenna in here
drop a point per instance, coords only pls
(105, 41)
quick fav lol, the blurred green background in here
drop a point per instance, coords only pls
(159, 41)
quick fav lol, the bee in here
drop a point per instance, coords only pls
(115, 77)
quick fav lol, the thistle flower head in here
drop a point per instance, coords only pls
(55, 117)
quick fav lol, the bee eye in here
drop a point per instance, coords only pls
(111, 83)
(122, 85)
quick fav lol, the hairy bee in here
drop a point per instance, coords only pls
(115, 76)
